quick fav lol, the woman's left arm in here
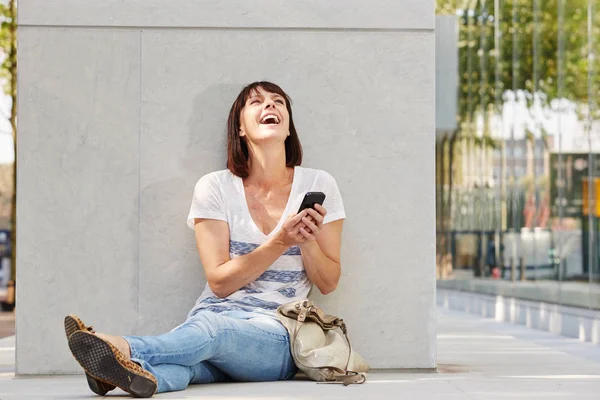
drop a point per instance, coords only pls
(321, 251)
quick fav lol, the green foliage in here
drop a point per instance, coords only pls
(7, 42)
(491, 143)
(448, 7)
(529, 56)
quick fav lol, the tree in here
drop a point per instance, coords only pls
(8, 72)
(529, 51)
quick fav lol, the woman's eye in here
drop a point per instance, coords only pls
(279, 101)
(254, 102)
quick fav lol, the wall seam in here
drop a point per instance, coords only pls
(137, 308)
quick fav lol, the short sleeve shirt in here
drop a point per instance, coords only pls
(220, 195)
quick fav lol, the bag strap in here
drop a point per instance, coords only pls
(347, 377)
(350, 378)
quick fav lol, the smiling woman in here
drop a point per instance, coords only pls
(257, 101)
(258, 253)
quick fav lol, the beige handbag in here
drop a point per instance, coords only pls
(318, 348)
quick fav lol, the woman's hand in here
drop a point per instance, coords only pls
(290, 235)
(313, 223)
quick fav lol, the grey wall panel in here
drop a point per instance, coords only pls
(78, 188)
(381, 14)
(368, 120)
(183, 125)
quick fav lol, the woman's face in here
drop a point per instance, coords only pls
(264, 117)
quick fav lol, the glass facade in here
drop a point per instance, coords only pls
(518, 180)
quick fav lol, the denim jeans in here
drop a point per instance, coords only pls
(211, 347)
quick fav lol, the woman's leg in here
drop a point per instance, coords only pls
(172, 377)
(243, 363)
(243, 349)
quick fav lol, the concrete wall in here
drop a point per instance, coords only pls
(123, 107)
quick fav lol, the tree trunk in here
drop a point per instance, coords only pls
(441, 234)
(448, 242)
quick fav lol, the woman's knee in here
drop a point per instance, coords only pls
(207, 323)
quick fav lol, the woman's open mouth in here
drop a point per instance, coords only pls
(270, 119)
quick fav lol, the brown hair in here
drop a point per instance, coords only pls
(237, 148)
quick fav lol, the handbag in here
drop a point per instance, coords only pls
(317, 346)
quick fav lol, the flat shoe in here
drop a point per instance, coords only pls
(72, 325)
(104, 362)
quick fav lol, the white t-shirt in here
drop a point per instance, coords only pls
(220, 195)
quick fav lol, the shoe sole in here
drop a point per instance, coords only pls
(104, 362)
(72, 325)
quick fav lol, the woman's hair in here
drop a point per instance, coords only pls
(237, 148)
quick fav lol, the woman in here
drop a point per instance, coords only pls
(257, 254)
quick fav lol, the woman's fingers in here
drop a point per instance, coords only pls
(307, 235)
(304, 226)
(310, 224)
(298, 217)
(300, 238)
(315, 215)
(296, 229)
(321, 210)
(293, 223)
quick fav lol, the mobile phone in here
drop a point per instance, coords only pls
(310, 199)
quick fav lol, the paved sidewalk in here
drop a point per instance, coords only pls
(478, 359)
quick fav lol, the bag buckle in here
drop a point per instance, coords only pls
(303, 313)
(302, 316)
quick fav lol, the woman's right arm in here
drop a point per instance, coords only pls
(225, 275)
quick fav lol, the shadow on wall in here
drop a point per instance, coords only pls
(206, 147)
(204, 151)
(172, 277)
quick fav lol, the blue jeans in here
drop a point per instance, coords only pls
(211, 347)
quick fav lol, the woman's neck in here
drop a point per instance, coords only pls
(268, 169)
